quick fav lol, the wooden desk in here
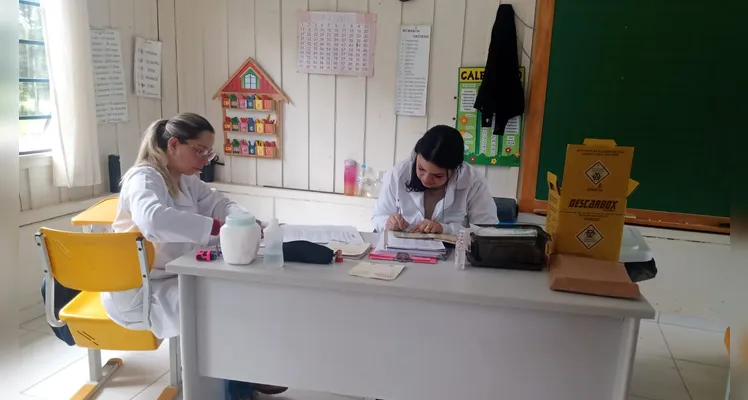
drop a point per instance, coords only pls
(101, 213)
(434, 333)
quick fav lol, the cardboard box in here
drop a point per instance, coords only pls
(586, 217)
(589, 276)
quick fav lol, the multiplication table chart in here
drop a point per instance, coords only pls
(337, 43)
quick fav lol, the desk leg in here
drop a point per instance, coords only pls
(626, 355)
(194, 386)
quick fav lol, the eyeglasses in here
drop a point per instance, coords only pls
(201, 152)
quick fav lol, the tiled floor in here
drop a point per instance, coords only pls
(672, 363)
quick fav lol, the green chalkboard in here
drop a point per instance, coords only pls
(647, 74)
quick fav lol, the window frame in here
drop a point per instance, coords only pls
(21, 79)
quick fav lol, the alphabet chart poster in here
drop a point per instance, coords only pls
(337, 43)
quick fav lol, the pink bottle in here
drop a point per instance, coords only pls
(349, 178)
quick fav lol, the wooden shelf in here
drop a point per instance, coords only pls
(252, 133)
(268, 110)
(277, 156)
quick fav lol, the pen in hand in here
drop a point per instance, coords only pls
(402, 224)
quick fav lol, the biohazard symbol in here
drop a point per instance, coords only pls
(590, 236)
(597, 173)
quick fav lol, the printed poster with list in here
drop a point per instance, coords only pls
(109, 76)
(147, 68)
(413, 70)
(337, 43)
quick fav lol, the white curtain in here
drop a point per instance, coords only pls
(75, 144)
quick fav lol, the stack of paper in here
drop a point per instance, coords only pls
(390, 244)
(322, 233)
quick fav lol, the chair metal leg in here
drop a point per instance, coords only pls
(94, 365)
(175, 371)
(99, 375)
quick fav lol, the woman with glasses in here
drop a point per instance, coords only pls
(163, 197)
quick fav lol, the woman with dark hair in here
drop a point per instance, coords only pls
(434, 191)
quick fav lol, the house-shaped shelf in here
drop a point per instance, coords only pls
(252, 107)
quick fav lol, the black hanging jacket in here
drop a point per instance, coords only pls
(501, 94)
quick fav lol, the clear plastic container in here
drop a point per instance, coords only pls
(362, 182)
(376, 185)
(273, 256)
(349, 178)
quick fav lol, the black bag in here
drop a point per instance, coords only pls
(641, 271)
(63, 296)
(307, 252)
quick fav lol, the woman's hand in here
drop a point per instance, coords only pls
(428, 226)
(396, 222)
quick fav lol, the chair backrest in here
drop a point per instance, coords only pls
(96, 262)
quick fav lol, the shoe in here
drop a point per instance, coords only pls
(269, 389)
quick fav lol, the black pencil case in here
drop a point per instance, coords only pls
(521, 246)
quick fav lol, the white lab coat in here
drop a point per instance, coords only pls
(175, 227)
(467, 200)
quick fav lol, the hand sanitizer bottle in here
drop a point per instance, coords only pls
(461, 248)
(273, 245)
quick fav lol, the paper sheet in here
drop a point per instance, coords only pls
(413, 70)
(337, 43)
(147, 68)
(385, 272)
(109, 76)
(322, 233)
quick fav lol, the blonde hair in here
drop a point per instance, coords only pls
(152, 151)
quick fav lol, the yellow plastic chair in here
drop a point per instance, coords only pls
(101, 213)
(94, 263)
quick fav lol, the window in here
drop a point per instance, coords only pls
(250, 80)
(35, 105)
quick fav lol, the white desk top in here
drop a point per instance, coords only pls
(440, 282)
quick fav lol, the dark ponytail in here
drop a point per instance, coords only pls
(441, 145)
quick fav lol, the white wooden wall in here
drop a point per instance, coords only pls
(132, 18)
(332, 117)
